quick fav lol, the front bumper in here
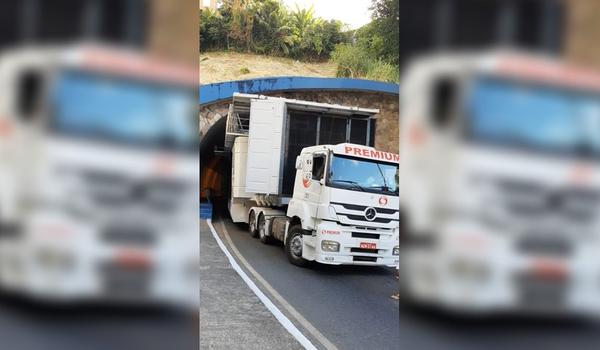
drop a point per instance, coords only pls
(377, 245)
(471, 271)
(59, 259)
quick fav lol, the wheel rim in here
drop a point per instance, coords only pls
(296, 246)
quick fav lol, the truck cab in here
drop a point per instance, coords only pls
(98, 176)
(500, 184)
(346, 203)
(341, 206)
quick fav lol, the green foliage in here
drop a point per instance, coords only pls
(382, 33)
(354, 61)
(244, 70)
(268, 27)
(383, 71)
(214, 30)
(374, 52)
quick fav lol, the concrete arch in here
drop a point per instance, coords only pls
(215, 98)
(214, 104)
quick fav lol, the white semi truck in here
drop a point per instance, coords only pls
(98, 176)
(329, 203)
(500, 184)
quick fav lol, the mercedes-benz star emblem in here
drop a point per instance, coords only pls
(370, 213)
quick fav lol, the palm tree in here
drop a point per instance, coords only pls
(302, 19)
(271, 23)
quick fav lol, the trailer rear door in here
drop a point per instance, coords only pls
(265, 146)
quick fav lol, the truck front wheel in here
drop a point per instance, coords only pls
(293, 246)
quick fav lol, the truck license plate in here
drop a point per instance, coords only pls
(366, 245)
(132, 259)
(549, 269)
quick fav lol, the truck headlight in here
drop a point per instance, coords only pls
(396, 250)
(54, 259)
(467, 269)
(330, 246)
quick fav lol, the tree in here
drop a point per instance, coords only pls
(241, 22)
(385, 24)
(269, 27)
(302, 20)
(272, 32)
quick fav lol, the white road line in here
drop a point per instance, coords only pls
(280, 299)
(285, 322)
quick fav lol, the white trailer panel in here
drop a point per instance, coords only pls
(265, 146)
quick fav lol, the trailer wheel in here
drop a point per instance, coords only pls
(293, 246)
(252, 224)
(262, 230)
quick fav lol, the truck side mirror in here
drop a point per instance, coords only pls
(443, 97)
(298, 163)
(29, 91)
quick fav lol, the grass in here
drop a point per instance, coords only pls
(226, 66)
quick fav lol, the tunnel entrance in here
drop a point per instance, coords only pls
(215, 167)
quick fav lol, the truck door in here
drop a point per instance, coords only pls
(313, 179)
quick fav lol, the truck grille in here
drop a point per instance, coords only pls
(363, 207)
(365, 235)
(540, 294)
(119, 282)
(135, 236)
(364, 258)
(553, 246)
(364, 250)
(363, 218)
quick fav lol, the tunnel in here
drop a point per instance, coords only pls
(215, 167)
(215, 162)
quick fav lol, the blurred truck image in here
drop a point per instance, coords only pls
(296, 178)
(500, 185)
(98, 176)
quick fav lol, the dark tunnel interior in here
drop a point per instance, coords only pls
(215, 165)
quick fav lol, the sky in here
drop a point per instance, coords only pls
(355, 13)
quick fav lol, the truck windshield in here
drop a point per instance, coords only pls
(363, 175)
(534, 117)
(124, 111)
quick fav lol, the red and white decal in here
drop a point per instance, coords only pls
(330, 232)
(306, 176)
(138, 65)
(383, 200)
(548, 71)
(367, 152)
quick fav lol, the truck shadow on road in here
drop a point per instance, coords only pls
(14, 303)
(468, 323)
(352, 270)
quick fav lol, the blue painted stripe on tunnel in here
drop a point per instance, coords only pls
(211, 93)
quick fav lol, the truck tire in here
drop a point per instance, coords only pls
(262, 230)
(252, 227)
(293, 246)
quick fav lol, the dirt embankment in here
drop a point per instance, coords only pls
(226, 66)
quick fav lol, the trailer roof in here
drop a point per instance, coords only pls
(244, 99)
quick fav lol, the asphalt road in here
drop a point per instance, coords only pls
(29, 326)
(351, 307)
(231, 316)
